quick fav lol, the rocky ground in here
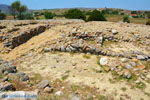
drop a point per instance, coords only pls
(75, 60)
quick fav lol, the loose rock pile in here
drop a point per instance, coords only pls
(126, 68)
(9, 74)
(10, 78)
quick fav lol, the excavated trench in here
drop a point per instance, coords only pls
(25, 36)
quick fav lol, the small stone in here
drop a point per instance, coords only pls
(100, 39)
(68, 49)
(48, 89)
(113, 68)
(10, 69)
(30, 54)
(74, 64)
(124, 60)
(136, 69)
(6, 73)
(148, 76)
(142, 77)
(43, 84)
(128, 66)
(120, 73)
(62, 48)
(59, 93)
(98, 70)
(75, 45)
(132, 64)
(114, 32)
(141, 67)
(127, 74)
(47, 49)
(140, 57)
(103, 61)
(137, 81)
(72, 48)
(75, 97)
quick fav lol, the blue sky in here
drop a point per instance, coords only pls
(48, 4)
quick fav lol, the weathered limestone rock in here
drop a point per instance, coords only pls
(43, 84)
(103, 61)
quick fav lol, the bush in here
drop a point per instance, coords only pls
(126, 19)
(2, 16)
(148, 22)
(96, 16)
(26, 16)
(74, 14)
(48, 15)
(110, 11)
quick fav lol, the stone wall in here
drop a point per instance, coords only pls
(24, 36)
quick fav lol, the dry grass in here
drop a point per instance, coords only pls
(114, 18)
(87, 56)
(138, 20)
(19, 85)
(117, 18)
(36, 78)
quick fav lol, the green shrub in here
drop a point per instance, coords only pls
(88, 13)
(96, 16)
(74, 14)
(18, 9)
(2, 16)
(37, 14)
(110, 11)
(148, 22)
(126, 19)
(26, 16)
(48, 15)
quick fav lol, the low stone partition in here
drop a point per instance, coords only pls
(76, 48)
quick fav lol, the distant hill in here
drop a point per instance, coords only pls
(5, 8)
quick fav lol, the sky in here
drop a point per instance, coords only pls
(50, 4)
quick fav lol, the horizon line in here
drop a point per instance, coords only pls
(85, 7)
